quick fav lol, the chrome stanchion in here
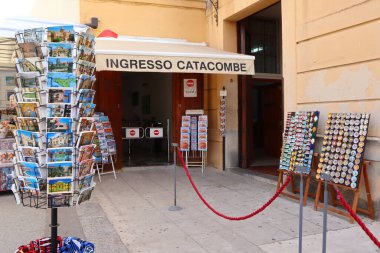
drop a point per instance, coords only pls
(301, 170)
(175, 207)
(326, 178)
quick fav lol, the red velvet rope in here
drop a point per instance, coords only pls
(356, 217)
(288, 179)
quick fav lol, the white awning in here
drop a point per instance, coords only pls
(136, 54)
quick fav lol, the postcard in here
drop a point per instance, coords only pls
(61, 125)
(85, 68)
(202, 124)
(60, 200)
(185, 136)
(59, 110)
(31, 35)
(10, 81)
(31, 95)
(202, 135)
(27, 138)
(86, 82)
(86, 96)
(111, 146)
(61, 80)
(203, 118)
(86, 109)
(60, 49)
(86, 54)
(29, 184)
(86, 181)
(85, 39)
(202, 144)
(31, 49)
(61, 34)
(59, 155)
(60, 169)
(104, 119)
(28, 109)
(60, 64)
(202, 130)
(56, 95)
(34, 64)
(29, 154)
(28, 169)
(28, 80)
(59, 140)
(85, 138)
(185, 130)
(85, 195)
(59, 185)
(86, 152)
(6, 156)
(184, 144)
(186, 119)
(85, 168)
(7, 144)
(86, 124)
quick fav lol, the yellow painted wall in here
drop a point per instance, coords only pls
(182, 19)
(331, 59)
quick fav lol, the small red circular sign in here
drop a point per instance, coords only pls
(132, 132)
(190, 83)
(156, 132)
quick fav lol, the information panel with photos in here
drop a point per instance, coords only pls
(343, 147)
(298, 140)
(54, 158)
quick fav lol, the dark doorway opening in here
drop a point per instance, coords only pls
(261, 97)
(146, 102)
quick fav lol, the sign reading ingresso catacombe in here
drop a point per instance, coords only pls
(143, 63)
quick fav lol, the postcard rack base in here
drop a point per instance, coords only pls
(196, 159)
(99, 167)
(293, 195)
(335, 203)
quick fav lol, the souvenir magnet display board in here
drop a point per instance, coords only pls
(54, 163)
(343, 147)
(194, 133)
(298, 140)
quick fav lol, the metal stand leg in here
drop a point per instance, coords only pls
(113, 166)
(97, 169)
(175, 207)
(54, 230)
(301, 216)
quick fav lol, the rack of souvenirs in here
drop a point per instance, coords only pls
(105, 152)
(54, 154)
(341, 156)
(193, 139)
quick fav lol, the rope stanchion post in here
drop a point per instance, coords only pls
(326, 178)
(175, 207)
(301, 170)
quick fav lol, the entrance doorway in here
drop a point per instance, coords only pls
(146, 103)
(261, 97)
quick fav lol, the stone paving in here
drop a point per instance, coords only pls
(131, 214)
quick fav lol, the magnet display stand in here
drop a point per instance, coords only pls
(194, 138)
(297, 149)
(54, 164)
(341, 158)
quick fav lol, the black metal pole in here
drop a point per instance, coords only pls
(54, 230)
(224, 152)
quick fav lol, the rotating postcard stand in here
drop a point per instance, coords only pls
(54, 161)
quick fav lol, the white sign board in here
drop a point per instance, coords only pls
(190, 88)
(132, 132)
(156, 132)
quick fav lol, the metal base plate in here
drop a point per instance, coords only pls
(175, 208)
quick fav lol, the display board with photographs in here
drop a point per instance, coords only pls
(105, 141)
(343, 147)
(54, 158)
(298, 140)
(194, 133)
